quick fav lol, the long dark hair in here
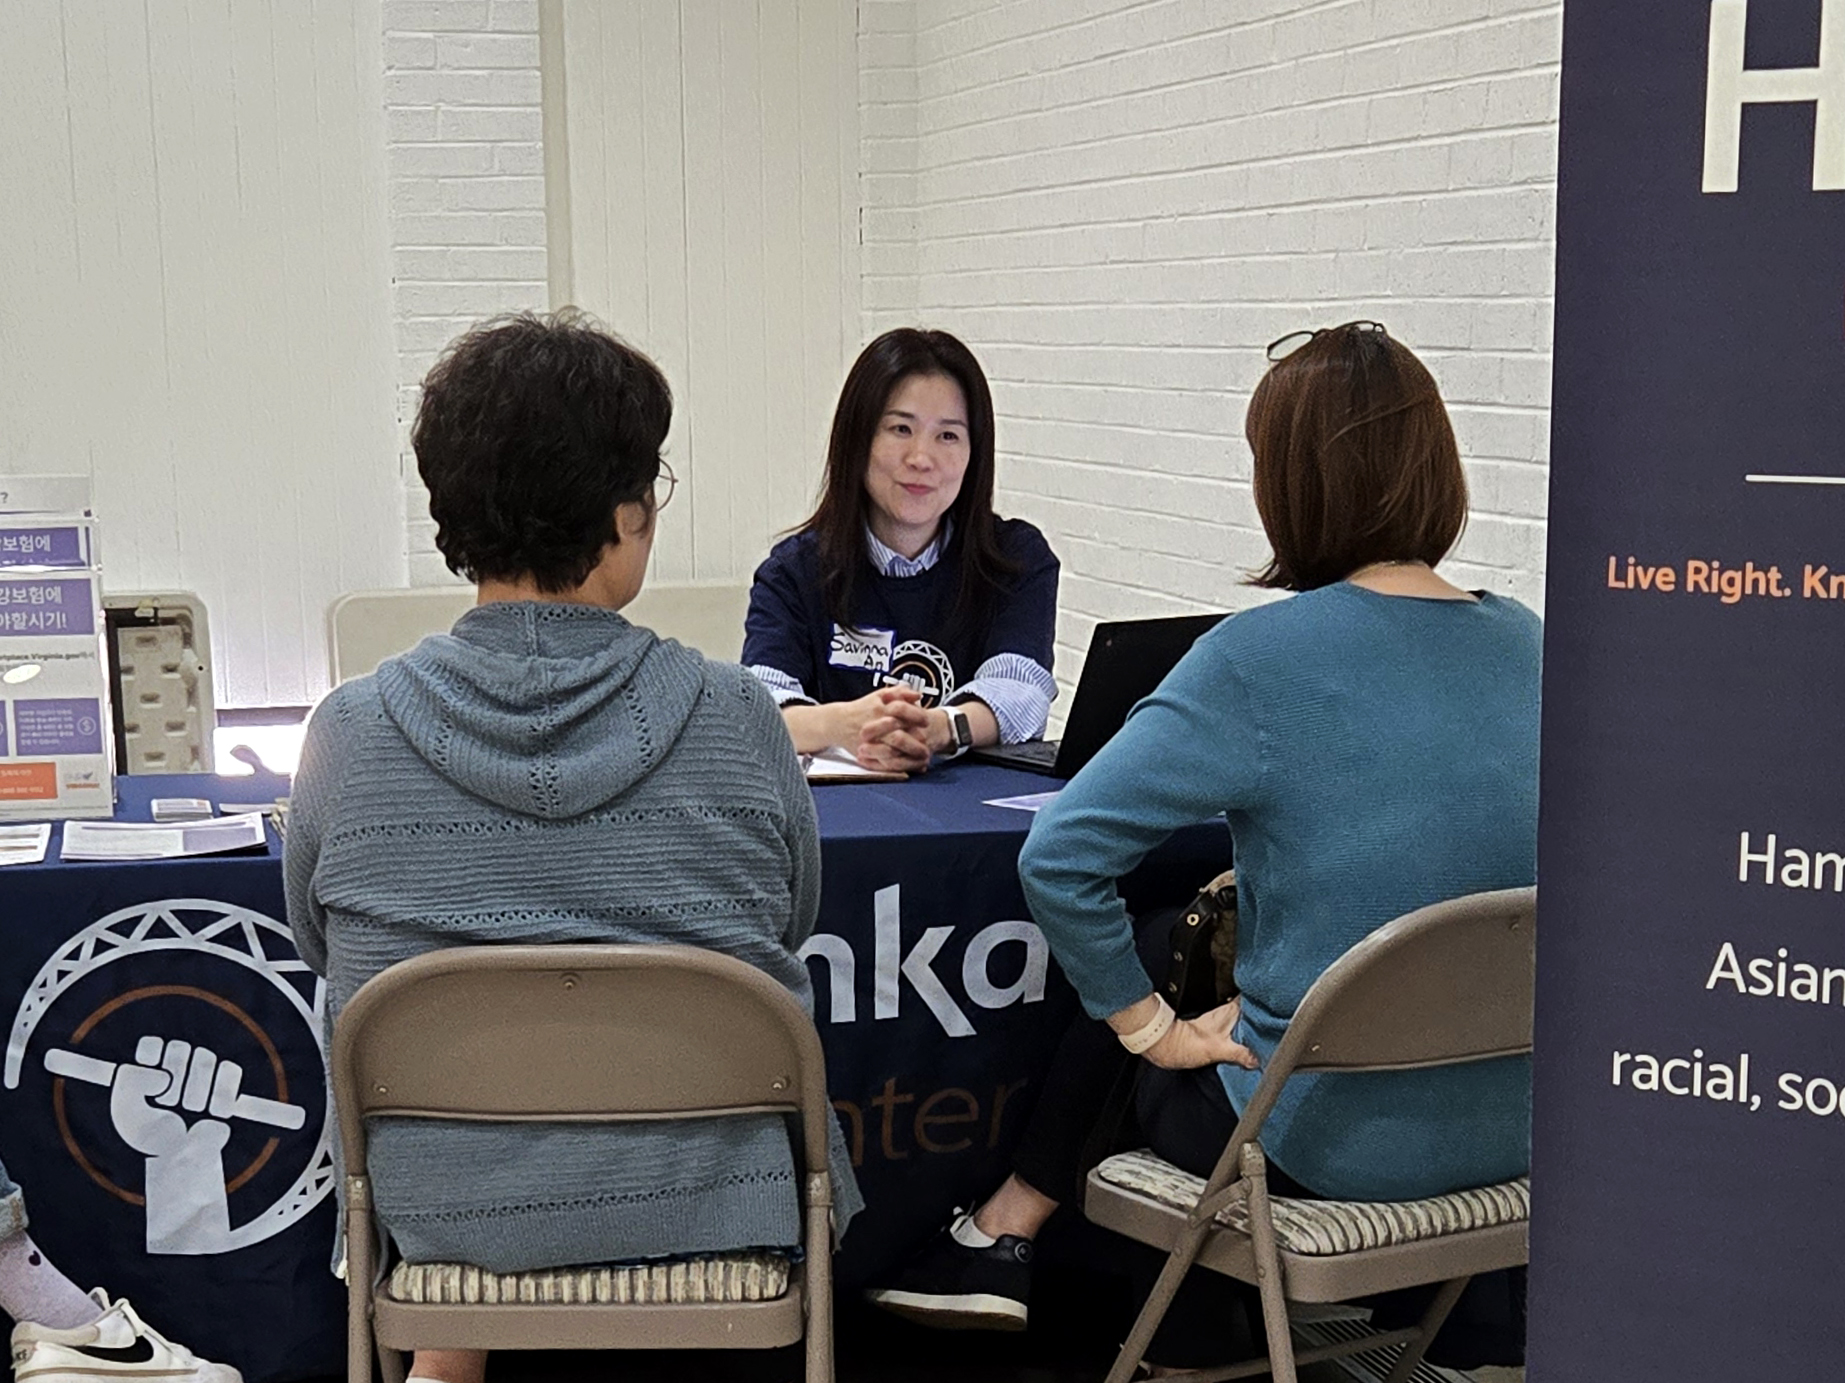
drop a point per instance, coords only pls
(838, 523)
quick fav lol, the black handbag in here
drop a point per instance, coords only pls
(1201, 973)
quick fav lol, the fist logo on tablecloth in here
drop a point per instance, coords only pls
(188, 1208)
(168, 1015)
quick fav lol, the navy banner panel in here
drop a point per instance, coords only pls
(1689, 1160)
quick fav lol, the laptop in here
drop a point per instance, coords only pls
(1126, 661)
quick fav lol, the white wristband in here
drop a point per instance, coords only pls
(1154, 1029)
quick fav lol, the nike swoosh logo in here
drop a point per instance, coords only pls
(64, 1371)
(140, 1352)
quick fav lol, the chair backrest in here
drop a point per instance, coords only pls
(576, 1033)
(1448, 983)
(366, 627)
(1445, 984)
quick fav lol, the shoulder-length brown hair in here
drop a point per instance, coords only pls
(1355, 460)
(838, 523)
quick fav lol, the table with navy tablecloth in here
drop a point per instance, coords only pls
(937, 1004)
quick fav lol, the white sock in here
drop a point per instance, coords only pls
(969, 1235)
(31, 1289)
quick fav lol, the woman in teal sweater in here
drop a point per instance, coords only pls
(1373, 744)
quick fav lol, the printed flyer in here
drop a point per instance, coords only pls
(55, 741)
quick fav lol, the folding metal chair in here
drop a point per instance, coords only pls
(602, 1034)
(1447, 984)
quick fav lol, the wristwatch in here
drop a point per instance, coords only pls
(963, 732)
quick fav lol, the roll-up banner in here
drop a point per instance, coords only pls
(1689, 1159)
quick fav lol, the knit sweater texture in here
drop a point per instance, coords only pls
(551, 773)
(1373, 754)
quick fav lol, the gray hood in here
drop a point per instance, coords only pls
(545, 709)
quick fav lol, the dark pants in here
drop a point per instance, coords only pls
(1086, 1109)
(1186, 1117)
(1097, 1099)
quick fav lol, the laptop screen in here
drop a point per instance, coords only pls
(1127, 660)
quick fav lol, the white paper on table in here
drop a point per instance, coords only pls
(837, 766)
(25, 844)
(132, 840)
(1028, 803)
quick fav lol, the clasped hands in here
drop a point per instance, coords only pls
(893, 733)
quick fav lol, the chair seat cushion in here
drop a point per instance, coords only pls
(1319, 1229)
(720, 1278)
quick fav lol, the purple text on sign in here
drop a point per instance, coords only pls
(34, 607)
(42, 547)
(67, 725)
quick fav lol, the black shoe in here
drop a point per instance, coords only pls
(952, 1287)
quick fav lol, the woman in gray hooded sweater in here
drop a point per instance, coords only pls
(549, 772)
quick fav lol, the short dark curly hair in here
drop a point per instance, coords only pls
(531, 431)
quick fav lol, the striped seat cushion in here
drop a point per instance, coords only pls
(1318, 1229)
(722, 1278)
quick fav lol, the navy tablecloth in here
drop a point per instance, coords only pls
(935, 998)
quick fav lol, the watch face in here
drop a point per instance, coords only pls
(964, 732)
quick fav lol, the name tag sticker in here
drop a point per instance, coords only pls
(864, 650)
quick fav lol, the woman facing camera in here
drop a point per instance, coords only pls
(549, 772)
(1373, 742)
(905, 619)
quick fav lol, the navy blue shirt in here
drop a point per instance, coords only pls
(904, 627)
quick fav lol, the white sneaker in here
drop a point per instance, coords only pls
(119, 1346)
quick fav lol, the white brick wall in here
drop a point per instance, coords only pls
(887, 79)
(1119, 202)
(467, 194)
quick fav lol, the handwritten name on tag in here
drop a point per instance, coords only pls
(865, 650)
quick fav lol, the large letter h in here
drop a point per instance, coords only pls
(1732, 86)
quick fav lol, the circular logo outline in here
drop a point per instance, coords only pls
(156, 991)
(157, 926)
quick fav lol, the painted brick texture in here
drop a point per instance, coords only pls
(466, 169)
(1120, 203)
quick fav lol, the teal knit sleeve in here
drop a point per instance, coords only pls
(1191, 750)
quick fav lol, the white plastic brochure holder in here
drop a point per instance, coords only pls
(56, 749)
